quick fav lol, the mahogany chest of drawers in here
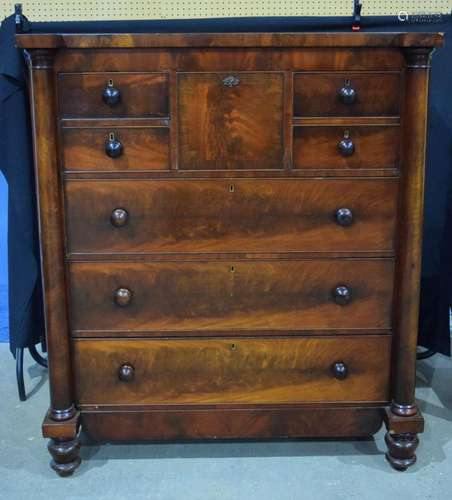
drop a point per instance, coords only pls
(230, 228)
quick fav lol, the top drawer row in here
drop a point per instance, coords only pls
(316, 94)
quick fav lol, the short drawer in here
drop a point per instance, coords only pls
(355, 147)
(113, 95)
(237, 215)
(237, 295)
(235, 370)
(346, 94)
(116, 149)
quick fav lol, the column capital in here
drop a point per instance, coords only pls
(418, 57)
(42, 58)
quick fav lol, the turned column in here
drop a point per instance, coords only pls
(44, 118)
(402, 445)
(61, 423)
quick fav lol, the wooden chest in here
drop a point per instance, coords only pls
(230, 229)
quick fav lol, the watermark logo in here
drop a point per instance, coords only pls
(419, 17)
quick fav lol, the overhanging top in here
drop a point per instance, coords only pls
(175, 40)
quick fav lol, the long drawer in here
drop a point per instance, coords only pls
(244, 295)
(236, 370)
(237, 215)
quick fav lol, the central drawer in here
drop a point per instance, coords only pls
(241, 370)
(244, 295)
(237, 215)
(230, 120)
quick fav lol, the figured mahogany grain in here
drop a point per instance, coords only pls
(230, 127)
(245, 295)
(168, 40)
(317, 94)
(229, 261)
(234, 215)
(142, 94)
(231, 370)
(189, 423)
(231, 59)
(51, 234)
(143, 149)
(375, 147)
(410, 223)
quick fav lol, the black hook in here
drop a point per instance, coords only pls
(356, 24)
(22, 23)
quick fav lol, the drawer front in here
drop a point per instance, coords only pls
(211, 371)
(140, 95)
(230, 121)
(237, 215)
(241, 295)
(346, 94)
(115, 149)
(346, 147)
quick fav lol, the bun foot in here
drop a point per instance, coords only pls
(65, 455)
(401, 450)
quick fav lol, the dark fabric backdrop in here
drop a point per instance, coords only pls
(26, 323)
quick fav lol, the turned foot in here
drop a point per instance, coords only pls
(65, 455)
(401, 449)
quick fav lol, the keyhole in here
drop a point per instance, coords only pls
(233, 347)
(231, 188)
(110, 83)
(346, 134)
(111, 136)
(347, 83)
(232, 269)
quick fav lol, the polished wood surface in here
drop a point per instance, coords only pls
(237, 125)
(128, 424)
(168, 40)
(375, 147)
(210, 371)
(293, 295)
(229, 60)
(318, 94)
(144, 149)
(51, 231)
(230, 232)
(237, 215)
(142, 95)
(409, 241)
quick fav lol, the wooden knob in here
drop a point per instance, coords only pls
(113, 147)
(347, 94)
(344, 216)
(346, 146)
(123, 296)
(342, 295)
(111, 95)
(340, 370)
(126, 372)
(119, 217)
